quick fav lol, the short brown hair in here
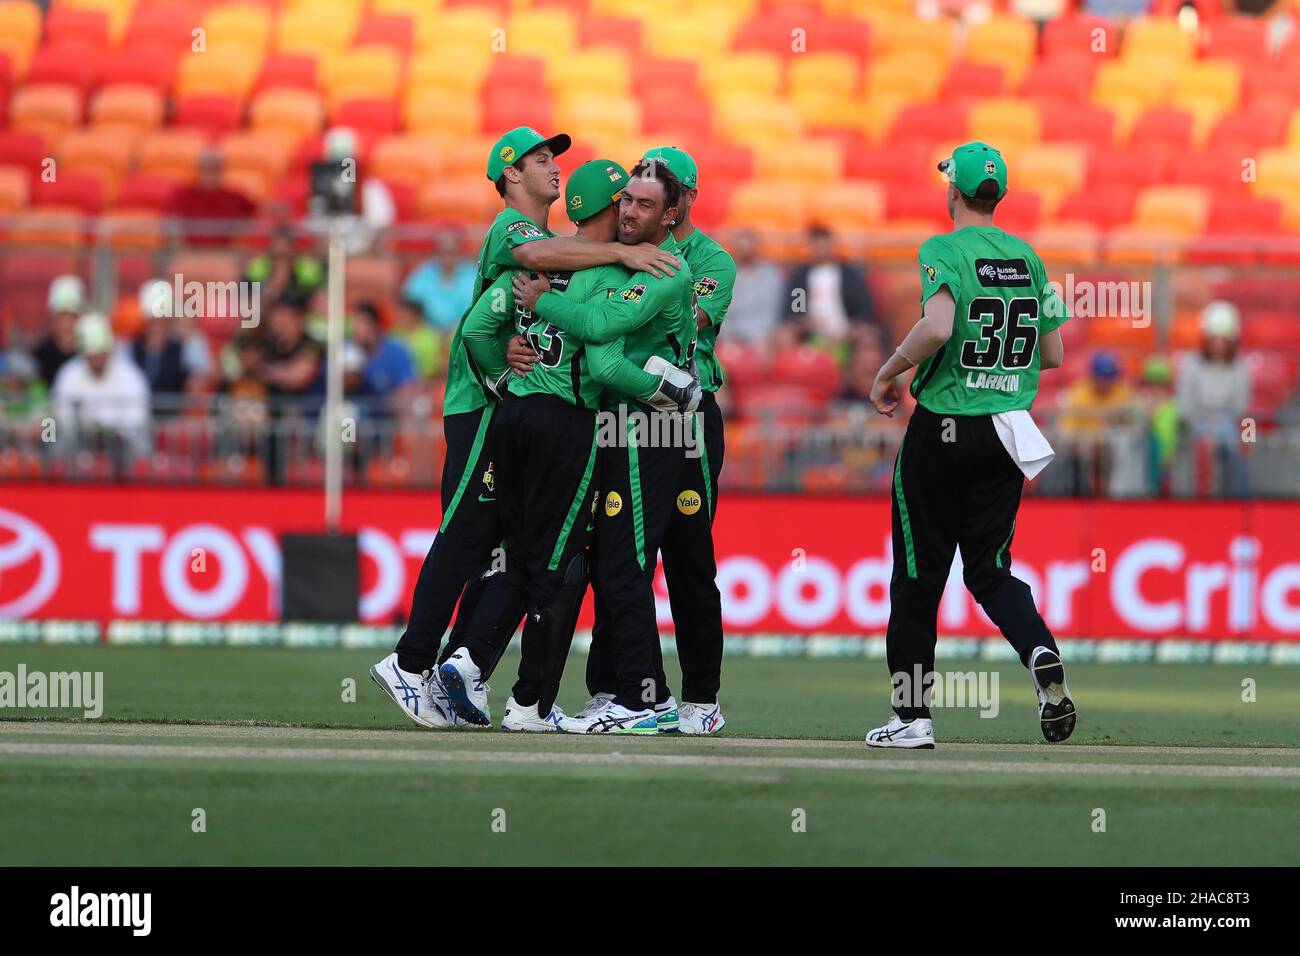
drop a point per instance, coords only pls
(659, 171)
(985, 199)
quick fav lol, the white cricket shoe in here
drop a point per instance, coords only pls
(1056, 713)
(701, 718)
(593, 706)
(916, 734)
(519, 717)
(418, 695)
(666, 716)
(617, 719)
(463, 683)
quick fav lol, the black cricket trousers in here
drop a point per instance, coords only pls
(469, 531)
(690, 570)
(546, 486)
(954, 486)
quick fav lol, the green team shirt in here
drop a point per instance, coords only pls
(715, 279)
(652, 315)
(567, 366)
(509, 230)
(990, 363)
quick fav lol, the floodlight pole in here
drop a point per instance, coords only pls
(334, 376)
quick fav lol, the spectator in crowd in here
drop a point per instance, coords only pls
(758, 301)
(387, 369)
(244, 392)
(443, 285)
(157, 349)
(101, 396)
(66, 300)
(827, 299)
(22, 396)
(1156, 397)
(425, 343)
(866, 360)
(283, 273)
(1214, 393)
(294, 359)
(199, 209)
(1092, 405)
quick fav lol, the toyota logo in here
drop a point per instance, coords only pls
(21, 540)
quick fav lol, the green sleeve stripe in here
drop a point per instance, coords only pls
(579, 500)
(704, 462)
(474, 451)
(902, 512)
(997, 561)
(634, 482)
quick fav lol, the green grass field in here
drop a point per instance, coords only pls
(288, 772)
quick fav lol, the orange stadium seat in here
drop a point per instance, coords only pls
(15, 189)
(127, 229)
(412, 160)
(847, 207)
(220, 72)
(591, 70)
(45, 108)
(752, 72)
(127, 105)
(298, 111)
(370, 72)
(267, 152)
(1004, 121)
(549, 33)
(430, 111)
(239, 26)
(20, 32)
(106, 153)
(394, 31)
(171, 153)
(769, 207)
(1158, 37)
(1175, 208)
(468, 199)
(53, 226)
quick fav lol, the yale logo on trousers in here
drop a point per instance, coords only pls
(613, 504)
(688, 502)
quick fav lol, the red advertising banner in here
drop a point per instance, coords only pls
(786, 564)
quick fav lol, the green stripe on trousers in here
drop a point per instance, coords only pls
(470, 464)
(902, 512)
(578, 501)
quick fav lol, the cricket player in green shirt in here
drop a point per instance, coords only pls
(546, 460)
(690, 568)
(522, 167)
(644, 454)
(989, 324)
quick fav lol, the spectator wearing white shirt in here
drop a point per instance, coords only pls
(828, 300)
(101, 398)
(1214, 393)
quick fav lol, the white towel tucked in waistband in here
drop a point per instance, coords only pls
(1026, 445)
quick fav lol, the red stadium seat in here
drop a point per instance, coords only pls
(1104, 208)
(390, 30)
(1076, 35)
(1272, 82)
(74, 65)
(72, 189)
(930, 123)
(723, 162)
(22, 149)
(1163, 127)
(505, 107)
(1245, 215)
(165, 23)
(1019, 212)
(1257, 127)
(375, 117)
(1078, 123)
(292, 70)
(623, 33)
(669, 113)
(519, 74)
(214, 114)
(905, 166)
(662, 75)
(1244, 39)
(972, 81)
(1218, 168)
(66, 24)
(1061, 78)
(142, 63)
(144, 191)
(1134, 168)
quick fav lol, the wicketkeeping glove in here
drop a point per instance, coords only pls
(678, 391)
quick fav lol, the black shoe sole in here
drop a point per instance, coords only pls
(1057, 721)
(1048, 670)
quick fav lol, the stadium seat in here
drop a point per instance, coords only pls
(145, 191)
(944, 124)
(662, 115)
(772, 208)
(814, 162)
(1083, 123)
(756, 121)
(75, 65)
(913, 77)
(1004, 122)
(410, 160)
(972, 81)
(215, 114)
(132, 229)
(460, 73)
(550, 33)
(1007, 41)
(1244, 39)
(372, 116)
(393, 31)
(127, 105)
(824, 74)
(1158, 37)
(23, 149)
(664, 74)
(1217, 168)
(366, 73)
(286, 70)
(933, 41)
(298, 111)
(1252, 128)
(1103, 208)
(1066, 242)
(20, 32)
(752, 72)
(611, 32)
(105, 153)
(71, 190)
(171, 154)
(266, 152)
(461, 200)
(1175, 209)
(428, 110)
(1080, 35)
(45, 108)
(1132, 169)
(1062, 78)
(142, 64)
(599, 116)
(1053, 170)
(1163, 126)
(227, 73)
(591, 70)
(505, 108)
(239, 26)
(848, 207)
(15, 189)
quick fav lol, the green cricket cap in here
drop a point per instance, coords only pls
(516, 144)
(971, 164)
(679, 162)
(593, 186)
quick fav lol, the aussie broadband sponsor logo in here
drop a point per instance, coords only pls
(56, 690)
(75, 908)
(1003, 273)
(999, 383)
(646, 429)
